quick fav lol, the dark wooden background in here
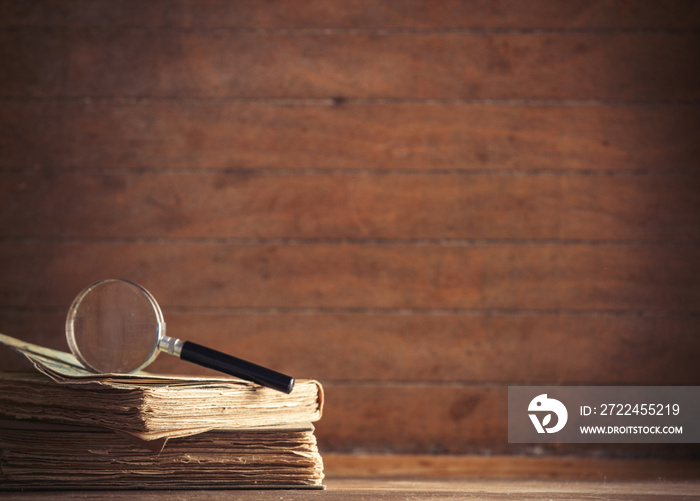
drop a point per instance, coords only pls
(417, 203)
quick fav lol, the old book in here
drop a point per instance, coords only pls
(48, 456)
(65, 427)
(147, 406)
(152, 410)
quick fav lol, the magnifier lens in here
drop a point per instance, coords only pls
(113, 326)
(116, 327)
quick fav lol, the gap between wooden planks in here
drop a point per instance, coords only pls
(506, 467)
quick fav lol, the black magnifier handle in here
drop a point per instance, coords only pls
(212, 359)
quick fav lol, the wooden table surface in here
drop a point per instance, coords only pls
(428, 489)
(416, 477)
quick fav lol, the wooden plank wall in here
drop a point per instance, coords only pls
(418, 203)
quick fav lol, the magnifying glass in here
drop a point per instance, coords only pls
(116, 327)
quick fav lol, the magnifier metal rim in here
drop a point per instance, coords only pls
(70, 319)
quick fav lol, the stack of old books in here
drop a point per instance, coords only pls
(63, 427)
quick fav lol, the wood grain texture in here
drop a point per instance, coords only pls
(541, 277)
(440, 419)
(656, 66)
(115, 135)
(564, 469)
(420, 489)
(447, 206)
(354, 14)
